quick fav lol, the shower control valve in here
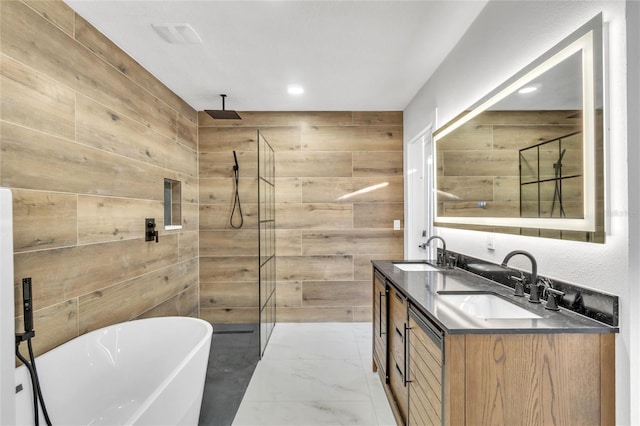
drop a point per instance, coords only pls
(150, 230)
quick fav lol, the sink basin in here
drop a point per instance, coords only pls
(415, 267)
(487, 306)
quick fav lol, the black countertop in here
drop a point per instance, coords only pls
(423, 290)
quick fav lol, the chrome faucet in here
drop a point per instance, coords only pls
(440, 260)
(519, 289)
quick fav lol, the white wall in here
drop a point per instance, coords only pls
(633, 146)
(505, 37)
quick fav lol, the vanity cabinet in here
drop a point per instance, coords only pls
(508, 377)
(380, 329)
(425, 373)
(398, 351)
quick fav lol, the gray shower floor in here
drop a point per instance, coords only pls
(232, 360)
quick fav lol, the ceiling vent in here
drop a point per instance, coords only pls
(177, 33)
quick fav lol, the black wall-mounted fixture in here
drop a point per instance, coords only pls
(150, 229)
(223, 114)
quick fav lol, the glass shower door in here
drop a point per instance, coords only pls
(267, 240)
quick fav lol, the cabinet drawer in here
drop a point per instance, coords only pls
(397, 348)
(380, 329)
(398, 388)
(398, 308)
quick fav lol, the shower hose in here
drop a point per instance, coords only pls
(236, 201)
(33, 373)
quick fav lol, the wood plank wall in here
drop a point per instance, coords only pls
(87, 137)
(339, 186)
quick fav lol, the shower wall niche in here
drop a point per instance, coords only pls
(267, 239)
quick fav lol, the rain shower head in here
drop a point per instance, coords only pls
(223, 114)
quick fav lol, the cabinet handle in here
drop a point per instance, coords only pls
(399, 333)
(398, 297)
(399, 371)
(406, 354)
(380, 316)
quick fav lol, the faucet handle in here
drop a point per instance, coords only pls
(553, 297)
(520, 282)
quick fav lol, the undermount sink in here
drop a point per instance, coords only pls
(419, 266)
(487, 306)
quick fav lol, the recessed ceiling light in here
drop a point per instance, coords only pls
(295, 89)
(528, 89)
(177, 33)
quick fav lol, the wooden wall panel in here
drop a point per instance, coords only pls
(314, 216)
(187, 245)
(232, 268)
(228, 294)
(377, 118)
(221, 190)
(220, 164)
(377, 215)
(383, 189)
(235, 242)
(352, 138)
(336, 293)
(377, 163)
(301, 164)
(130, 299)
(103, 219)
(105, 129)
(87, 137)
(339, 186)
(288, 294)
(34, 160)
(315, 268)
(34, 100)
(88, 268)
(366, 241)
(288, 190)
(56, 12)
(289, 242)
(31, 209)
(184, 304)
(216, 216)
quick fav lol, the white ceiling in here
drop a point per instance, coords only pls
(348, 54)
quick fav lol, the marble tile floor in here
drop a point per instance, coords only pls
(316, 374)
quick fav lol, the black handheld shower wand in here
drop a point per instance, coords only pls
(27, 306)
(236, 198)
(30, 364)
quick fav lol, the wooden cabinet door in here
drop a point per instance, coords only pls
(425, 373)
(380, 329)
(398, 350)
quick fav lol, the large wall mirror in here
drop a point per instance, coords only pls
(527, 159)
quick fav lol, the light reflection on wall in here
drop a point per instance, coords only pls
(363, 191)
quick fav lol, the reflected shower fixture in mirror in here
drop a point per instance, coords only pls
(527, 159)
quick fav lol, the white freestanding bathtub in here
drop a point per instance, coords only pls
(144, 372)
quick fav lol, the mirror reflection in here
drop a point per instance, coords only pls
(527, 158)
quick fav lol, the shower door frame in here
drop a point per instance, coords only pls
(266, 241)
